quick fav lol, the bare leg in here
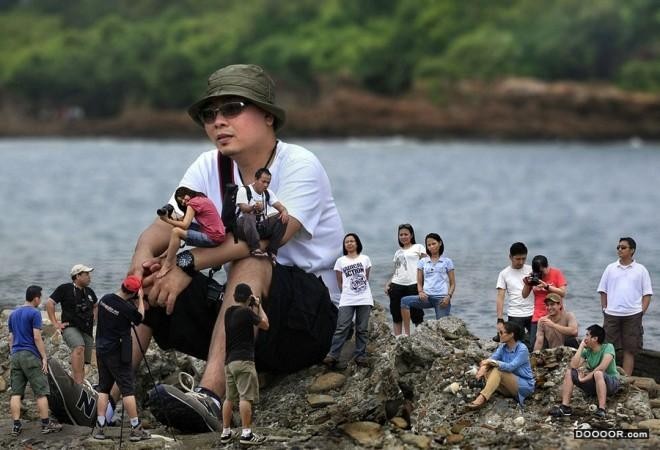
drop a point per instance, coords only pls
(255, 272)
(131, 407)
(397, 328)
(245, 408)
(178, 234)
(601, 388)
(42, 407)
(567, 388)
(101, 404)
(15, 406)
(78, 364)
(405, 315)
(628, 362)
(227, 409)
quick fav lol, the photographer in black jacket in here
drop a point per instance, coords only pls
(117, 313)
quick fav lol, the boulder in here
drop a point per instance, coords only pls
(327, 382)
(369, 434)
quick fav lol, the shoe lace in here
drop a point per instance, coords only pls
(187, 383)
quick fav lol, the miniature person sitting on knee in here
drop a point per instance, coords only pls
(209, 231)
(255, 222)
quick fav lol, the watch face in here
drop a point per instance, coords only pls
(184, 259)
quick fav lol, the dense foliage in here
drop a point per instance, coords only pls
(106, 54)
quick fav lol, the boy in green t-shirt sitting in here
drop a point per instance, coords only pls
(600, 378)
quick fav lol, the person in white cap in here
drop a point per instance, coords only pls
(79, 304)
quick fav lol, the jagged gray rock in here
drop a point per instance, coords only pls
(398, 401)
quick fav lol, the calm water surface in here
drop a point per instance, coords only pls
(66, 201)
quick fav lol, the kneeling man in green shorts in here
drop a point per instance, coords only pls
(241, 375)
(28, 361)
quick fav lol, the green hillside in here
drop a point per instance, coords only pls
(105, 55)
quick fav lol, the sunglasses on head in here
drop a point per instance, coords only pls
(228, 111)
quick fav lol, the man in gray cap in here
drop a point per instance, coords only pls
(240, 116)
(79, 303)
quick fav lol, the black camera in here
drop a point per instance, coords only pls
(253, 301)
(165, 210)
(534, 279)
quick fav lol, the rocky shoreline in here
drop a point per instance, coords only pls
(412, 396)
(514, 108)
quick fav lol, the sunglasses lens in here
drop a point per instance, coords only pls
(228, 111)
(232, 109)
(208, 115)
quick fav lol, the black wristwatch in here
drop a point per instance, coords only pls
(186, 262)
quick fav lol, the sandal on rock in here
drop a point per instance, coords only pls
(475, 406)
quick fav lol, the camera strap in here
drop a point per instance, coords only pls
(225, 173)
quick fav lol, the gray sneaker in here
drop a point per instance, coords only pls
(190, 412)
(98, 432)
(52, 427)
(139, 434)
(252, 439)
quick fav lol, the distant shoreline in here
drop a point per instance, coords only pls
(512, 109)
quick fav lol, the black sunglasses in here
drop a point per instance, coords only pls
(228, 111)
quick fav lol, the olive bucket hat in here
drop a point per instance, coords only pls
(242, 80)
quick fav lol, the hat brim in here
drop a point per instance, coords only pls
(276, 111)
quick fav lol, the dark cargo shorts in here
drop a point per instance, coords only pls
(301, 316)
(624, 332)
(26, 367)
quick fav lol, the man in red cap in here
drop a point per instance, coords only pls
(117, 313)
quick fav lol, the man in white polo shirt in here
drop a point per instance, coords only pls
(510, 284)
(625, 293)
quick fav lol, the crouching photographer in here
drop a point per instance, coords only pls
(116, 314)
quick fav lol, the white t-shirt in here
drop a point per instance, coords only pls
(625, 286)
(241, 197)
(302, 185)
(405, 264)
(511, 280)
(355, 290)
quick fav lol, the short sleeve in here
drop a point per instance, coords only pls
(450, 265)
(647, 289)
(367, 262)
(241, 195)
(501, 281)
(58, 294)
(306, 189)
(95, 299)
(602, 285)
(272, 198)
(37, 322)
(338, 265)
(256, 320)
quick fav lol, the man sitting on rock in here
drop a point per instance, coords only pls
(599, 377)
(559, 327)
